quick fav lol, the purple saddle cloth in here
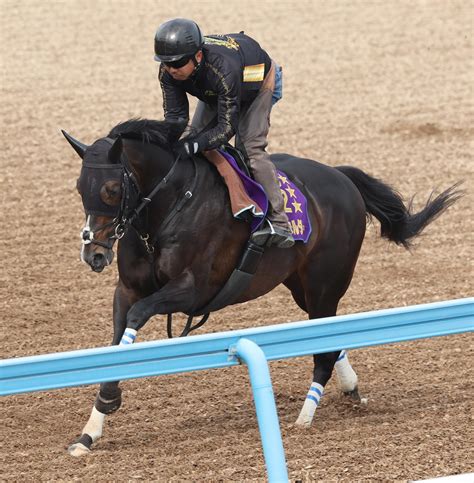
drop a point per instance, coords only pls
(295, 203)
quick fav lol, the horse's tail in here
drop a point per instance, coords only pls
(398, 223)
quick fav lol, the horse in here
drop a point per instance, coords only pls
(178, 241)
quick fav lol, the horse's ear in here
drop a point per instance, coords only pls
(79, 147)
(115, 151)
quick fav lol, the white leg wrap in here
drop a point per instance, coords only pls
(95, 424)
(128, 337)
(345, 374)
(93, 428)
(311, 403)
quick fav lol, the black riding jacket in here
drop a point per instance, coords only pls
(229, 77)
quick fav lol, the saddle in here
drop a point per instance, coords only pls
(247, 198)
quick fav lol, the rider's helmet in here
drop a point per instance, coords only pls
(177, 39)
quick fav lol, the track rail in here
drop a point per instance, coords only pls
(252, 346)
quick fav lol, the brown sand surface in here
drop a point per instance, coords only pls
(383, 85)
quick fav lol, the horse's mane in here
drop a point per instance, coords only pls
(162, 133)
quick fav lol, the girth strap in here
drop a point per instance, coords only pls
(238, 281)
(188, 328)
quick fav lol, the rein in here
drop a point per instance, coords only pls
(178, 206)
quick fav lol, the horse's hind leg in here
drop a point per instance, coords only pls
(347, 378)
(109, 398)
(323, 367)
(322, 289)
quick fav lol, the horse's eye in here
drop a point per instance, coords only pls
(110, 192)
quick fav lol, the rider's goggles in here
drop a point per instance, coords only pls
(177, 64)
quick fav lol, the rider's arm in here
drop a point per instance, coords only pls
(175, 101)
(227, 85)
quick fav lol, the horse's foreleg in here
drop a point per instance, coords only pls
(176, 296)
(129, 317)
(109, 398)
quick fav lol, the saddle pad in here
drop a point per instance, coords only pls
(296, 208)
(295, 203)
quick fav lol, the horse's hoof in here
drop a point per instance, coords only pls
(356, 398)
(353, 395)
(82, 446)
(78, 449)
(303, 422)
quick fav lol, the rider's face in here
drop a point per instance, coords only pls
(184, 72)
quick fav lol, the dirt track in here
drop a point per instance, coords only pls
(386, 86)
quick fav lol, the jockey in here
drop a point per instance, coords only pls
(237, 84)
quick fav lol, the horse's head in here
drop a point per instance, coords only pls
(136, 157)
(105, 188)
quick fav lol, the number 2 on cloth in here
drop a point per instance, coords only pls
(285, 199)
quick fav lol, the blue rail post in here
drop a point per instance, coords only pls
(265, 407)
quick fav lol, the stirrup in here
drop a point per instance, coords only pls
(263, 236)
(283, 240)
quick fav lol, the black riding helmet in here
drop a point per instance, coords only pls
(177, 39)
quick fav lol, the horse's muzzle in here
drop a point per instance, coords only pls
(98, 260)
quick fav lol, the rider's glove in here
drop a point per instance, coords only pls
(188, 148)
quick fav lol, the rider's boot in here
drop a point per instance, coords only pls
(273, 235)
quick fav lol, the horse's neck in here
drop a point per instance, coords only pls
(210, 182)
(194, 180)
(149, 162)
(194, 183)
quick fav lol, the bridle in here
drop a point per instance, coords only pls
(132, 204)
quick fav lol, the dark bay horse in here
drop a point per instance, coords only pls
(179, 242)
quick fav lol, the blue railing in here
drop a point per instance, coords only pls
(253, 346)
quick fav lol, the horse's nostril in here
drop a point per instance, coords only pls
(98, 262)
(98, 258)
